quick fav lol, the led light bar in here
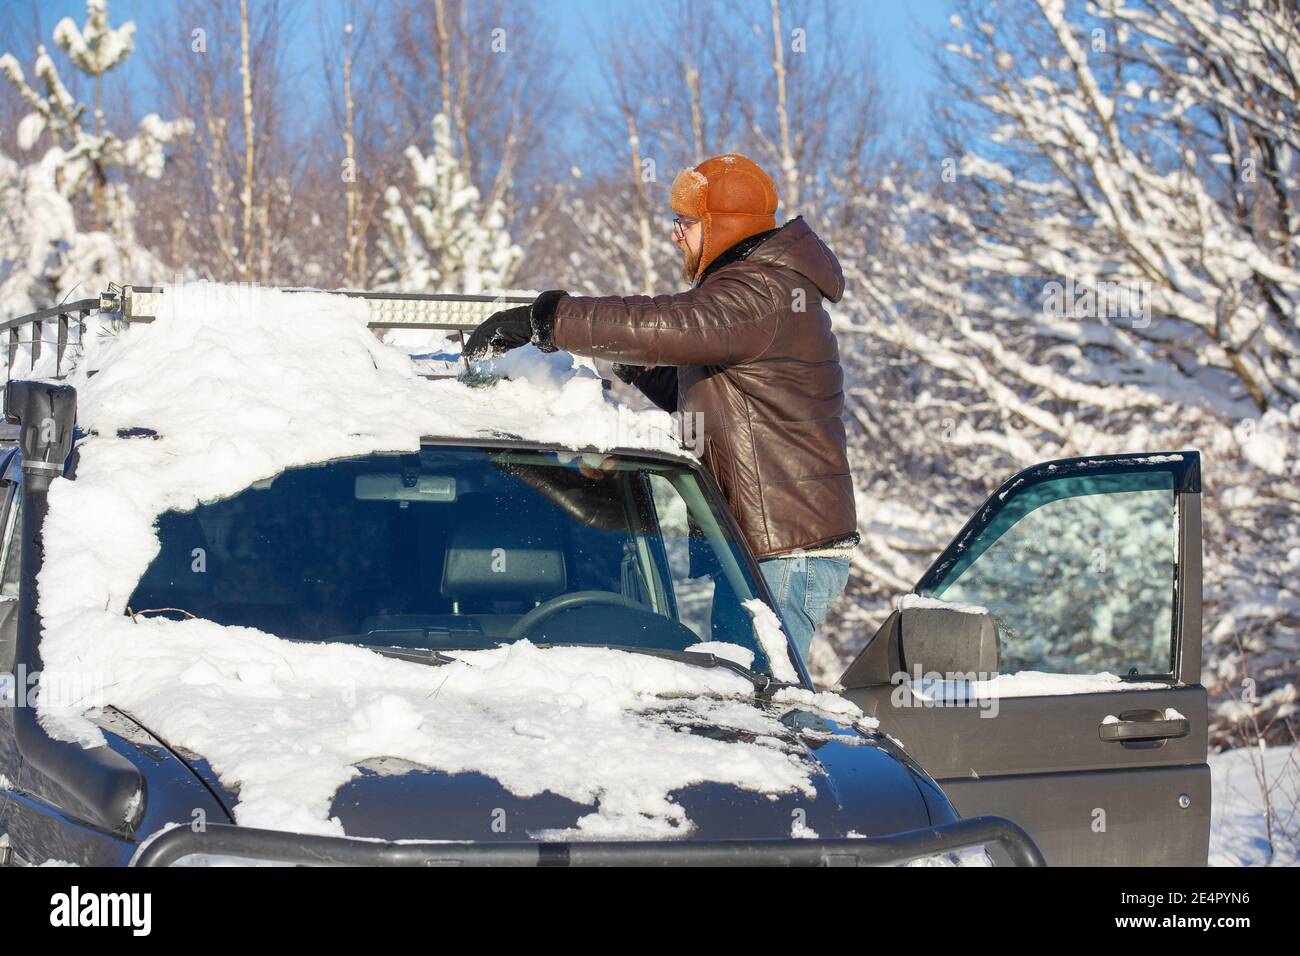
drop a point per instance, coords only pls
(397, 311)
(388, 310)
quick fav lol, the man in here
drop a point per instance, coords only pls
(750, 347)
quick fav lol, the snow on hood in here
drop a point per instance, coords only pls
(288, 722)
(240, 383)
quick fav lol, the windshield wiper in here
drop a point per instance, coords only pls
(765, 686)
(414, 655)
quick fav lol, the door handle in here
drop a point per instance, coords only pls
(1144, 725)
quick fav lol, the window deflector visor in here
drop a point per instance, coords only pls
(1021, 505)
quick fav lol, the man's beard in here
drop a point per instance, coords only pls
(690, 261)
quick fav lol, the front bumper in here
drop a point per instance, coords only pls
(276, 846)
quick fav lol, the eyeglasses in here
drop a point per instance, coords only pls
(681, 224)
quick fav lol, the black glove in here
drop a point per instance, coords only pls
(499, 333)
(542, 317)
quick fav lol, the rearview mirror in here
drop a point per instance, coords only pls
(394, 487)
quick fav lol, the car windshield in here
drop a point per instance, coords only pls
(459, 548)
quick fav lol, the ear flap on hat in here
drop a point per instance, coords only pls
(690, 194)
(690, 198)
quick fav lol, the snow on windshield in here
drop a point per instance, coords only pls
(240, 383)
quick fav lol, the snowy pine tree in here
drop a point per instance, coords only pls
(440, 234)
(45, 254)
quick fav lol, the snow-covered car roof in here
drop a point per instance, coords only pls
(267, 366)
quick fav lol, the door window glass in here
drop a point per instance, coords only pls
(1079, 575)
(693, 594)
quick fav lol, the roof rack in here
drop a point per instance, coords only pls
(128, 304)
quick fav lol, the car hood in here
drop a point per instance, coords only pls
(865, 785)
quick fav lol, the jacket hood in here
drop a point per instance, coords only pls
(793, 246)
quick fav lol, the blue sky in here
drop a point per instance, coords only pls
(895, 29)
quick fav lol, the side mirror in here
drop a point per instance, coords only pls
(927, 636)
(947, 639)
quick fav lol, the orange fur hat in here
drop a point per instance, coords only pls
(731, 196)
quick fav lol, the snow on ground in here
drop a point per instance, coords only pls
(1239, 833)
(240, 383)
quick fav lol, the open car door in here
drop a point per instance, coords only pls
(1048, 668)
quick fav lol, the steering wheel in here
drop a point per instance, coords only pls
(563, 602)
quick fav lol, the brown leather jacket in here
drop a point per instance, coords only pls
(750, 348)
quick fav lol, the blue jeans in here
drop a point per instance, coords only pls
(804, 589)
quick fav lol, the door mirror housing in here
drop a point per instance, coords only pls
(925, 637)
(953, 641)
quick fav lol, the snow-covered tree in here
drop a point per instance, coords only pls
(90, 152)
(45, 254)
(440, 233)
(595, 245)
(44, 257)
(1102, 259)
